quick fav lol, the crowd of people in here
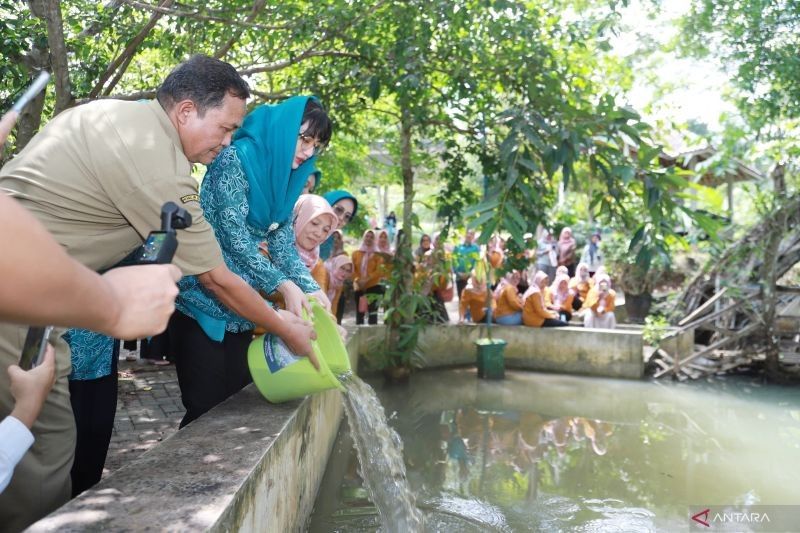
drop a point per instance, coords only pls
(546, 294)
(82, 196)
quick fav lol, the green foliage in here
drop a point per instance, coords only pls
(758, 41)
(629, 265)
(655, 328)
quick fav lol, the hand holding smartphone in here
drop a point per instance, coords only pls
(34, 347)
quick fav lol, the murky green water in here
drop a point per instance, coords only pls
(543, 452)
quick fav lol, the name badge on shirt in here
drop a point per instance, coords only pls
(190, 198)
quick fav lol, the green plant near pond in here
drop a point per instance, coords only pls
(655, 329)
(627, 269)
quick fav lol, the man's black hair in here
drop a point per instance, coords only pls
(203, 80)
(319, 124)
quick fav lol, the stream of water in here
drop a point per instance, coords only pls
(380, 454)
(544, 452)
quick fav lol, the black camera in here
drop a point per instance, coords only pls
(160, 246)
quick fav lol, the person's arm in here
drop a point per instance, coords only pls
(243, 300)
(513, 299)
(44, 286)
(6, 125)
(29, 389)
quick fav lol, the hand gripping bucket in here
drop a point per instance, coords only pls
(281, 376)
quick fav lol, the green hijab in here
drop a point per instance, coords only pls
(266, 144)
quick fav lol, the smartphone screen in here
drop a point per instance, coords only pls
(152, 247)
(34, 347)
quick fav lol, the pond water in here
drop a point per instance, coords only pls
(545, 452)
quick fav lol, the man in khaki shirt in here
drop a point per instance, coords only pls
(96, 177)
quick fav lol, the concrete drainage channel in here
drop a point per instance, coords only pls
(249, 465)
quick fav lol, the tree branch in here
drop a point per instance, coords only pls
(258, 5)
(450, 126)
(130, 50)
(273, 97)
(279, 65)
(96, 27)
(141, 95)
(195, 15)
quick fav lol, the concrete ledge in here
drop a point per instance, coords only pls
(573, 350)
(247, 465)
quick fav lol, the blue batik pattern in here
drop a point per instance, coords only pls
(92, 354)
(223, 197)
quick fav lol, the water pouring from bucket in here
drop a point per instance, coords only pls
(281, 376)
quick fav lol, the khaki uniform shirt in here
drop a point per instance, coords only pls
(97, 175)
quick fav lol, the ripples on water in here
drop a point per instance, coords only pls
(558, 453)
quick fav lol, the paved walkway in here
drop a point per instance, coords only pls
(149, 409)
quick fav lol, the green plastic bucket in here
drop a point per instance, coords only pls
(490, 360)
(281, 376)
(329, 343)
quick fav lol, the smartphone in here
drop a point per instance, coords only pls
(34, 347)
(37, 85)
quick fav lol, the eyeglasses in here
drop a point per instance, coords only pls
(340, 212)
(307, 141)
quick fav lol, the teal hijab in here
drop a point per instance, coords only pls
(266, 143)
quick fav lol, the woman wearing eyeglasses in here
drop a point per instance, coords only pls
(345, 206)
(247, 196)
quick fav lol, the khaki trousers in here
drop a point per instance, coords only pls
(41, 481)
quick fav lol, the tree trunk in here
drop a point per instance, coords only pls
(769, 276)
(29, 121)
(50, 12)
(408, 190)
(403, 266)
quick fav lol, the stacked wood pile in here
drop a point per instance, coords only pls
(724, 306)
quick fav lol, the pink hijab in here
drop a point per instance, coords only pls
(368, 250)
(534, 287)
(336, 280)
(386, 249)
(560, 296)
(307, 208)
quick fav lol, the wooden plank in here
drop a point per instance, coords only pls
(664, 355)
(706, 306)
(709, 349)
(710, 317)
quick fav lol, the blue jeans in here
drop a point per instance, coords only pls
(514, 319)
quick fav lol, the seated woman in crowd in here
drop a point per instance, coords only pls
(314, 222)
(472, 301)
(368, 267)
(599, 305)
(560, 297)
(340, 269)
(509, 305)
(534, 312)
(581, 283)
